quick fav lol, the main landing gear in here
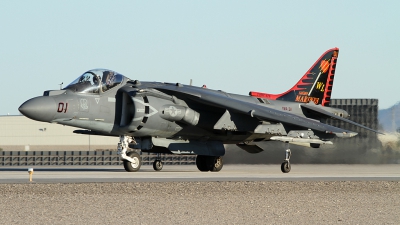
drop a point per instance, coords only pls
(285, 166)
(207, 163)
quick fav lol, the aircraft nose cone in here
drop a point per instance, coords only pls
(41, 108)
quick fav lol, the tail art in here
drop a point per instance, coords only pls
(316, 84)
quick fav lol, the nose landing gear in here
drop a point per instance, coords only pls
(134, 165)
(131, 160)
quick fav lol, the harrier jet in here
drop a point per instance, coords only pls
(175, 118)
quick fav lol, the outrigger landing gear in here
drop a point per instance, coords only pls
(285, 166)
(158, 164)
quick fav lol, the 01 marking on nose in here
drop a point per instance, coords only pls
(62, 107)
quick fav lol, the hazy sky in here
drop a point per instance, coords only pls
(235, 46)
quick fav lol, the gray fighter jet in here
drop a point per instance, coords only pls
(182, 119)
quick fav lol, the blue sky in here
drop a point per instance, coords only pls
(235, 46)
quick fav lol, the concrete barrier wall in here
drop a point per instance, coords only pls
(64, 158)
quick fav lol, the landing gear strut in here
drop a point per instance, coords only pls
(285, 166)
(209, 163)
(158, 164)
(132, 160)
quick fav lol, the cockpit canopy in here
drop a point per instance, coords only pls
(96, 81)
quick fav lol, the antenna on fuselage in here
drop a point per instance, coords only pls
(190, 82)
(61, 85)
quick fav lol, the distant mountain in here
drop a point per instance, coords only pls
(389, 119)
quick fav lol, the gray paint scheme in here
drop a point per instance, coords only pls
(182, 119)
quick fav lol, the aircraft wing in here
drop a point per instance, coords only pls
(222, 100)
(326, 113)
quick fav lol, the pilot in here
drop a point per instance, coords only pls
(95, 84)
(107, 80)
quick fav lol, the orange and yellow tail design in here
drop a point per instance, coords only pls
(315, 85)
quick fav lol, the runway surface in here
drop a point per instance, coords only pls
(186, 173)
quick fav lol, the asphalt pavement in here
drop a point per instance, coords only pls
(189, 173)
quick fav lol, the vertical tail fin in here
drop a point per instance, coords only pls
(316, 84)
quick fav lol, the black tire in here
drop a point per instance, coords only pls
(157, 165)
(285, 167)
(135, 166)
(217, 163)
(201, 163)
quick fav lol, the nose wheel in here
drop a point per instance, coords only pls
(158, 164)
(285, 166)
(133, 166)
